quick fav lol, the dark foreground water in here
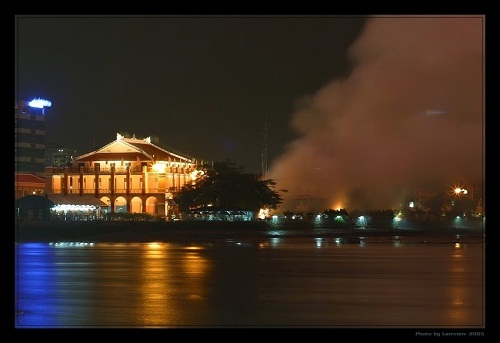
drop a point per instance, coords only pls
(384, 282)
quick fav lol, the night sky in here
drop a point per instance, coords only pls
(203, 86)
(359, 109)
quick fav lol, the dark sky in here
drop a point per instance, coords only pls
(359, 110)
(203, 85)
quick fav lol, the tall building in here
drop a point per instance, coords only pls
(29, 136)
(130, 175)
(58, 156)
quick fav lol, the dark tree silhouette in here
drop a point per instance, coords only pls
(225, 185)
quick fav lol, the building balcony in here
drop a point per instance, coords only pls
(120, 191)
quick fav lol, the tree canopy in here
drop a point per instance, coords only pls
(225, 185)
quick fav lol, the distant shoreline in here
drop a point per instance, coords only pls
(137, 231)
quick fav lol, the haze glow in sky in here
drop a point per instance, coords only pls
(410, 115)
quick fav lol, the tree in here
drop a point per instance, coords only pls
(225, 185)
(435, 203)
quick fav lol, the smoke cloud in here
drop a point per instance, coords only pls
(409, 115)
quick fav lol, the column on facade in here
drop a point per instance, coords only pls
(127, 189)
(143, 188)
(65, 181)
(112, 186)
(80, 181)
(173, 177)
(49, 180)
(97, 168)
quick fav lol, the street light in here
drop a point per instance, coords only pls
(462, 191)
(469, 204)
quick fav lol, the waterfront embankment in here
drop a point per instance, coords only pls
(144, 231)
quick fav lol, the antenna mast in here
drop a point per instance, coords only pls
(264, 151)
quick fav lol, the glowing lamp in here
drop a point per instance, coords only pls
(159, 167)
(40, 103)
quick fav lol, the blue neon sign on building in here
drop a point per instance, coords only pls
(40, 103)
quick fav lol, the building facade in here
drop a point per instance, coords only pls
(129, 175)
(29, 136)
(28, 184)
(58, 156)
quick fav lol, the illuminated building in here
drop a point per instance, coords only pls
(29, 136)
(28, 184)
(58, 156)
(129, 175)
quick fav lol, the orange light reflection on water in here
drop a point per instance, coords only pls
(459, 298)
(163, 262)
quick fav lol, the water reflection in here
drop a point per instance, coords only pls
(35, 278)
(277, 281)
(461, 300)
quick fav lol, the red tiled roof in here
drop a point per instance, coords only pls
(109, 156)
(155, 153)
(29, 178)
(152, 150)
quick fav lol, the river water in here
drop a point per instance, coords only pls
(303, 282)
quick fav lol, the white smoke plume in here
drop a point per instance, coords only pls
(409, 115)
